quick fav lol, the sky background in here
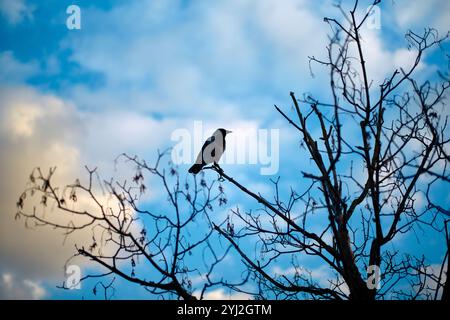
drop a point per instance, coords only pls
(137, 71)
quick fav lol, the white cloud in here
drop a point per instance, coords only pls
(43, 130)
(227, 60)
(429, 276)
(321, 275)
(13, 288)
(199, 61)
(419, 14)
(16, 11)
(382, 62)
(36, 130)
(220, 294)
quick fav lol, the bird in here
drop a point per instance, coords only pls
(212, 150)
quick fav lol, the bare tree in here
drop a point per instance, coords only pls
(363, 187)
(127, 240)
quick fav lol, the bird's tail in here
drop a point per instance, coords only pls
(196, 168)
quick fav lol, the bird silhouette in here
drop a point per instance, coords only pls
(212, 150)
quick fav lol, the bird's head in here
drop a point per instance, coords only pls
(223, 132)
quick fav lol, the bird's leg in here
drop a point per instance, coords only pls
(219, 171)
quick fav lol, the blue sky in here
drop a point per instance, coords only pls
(137, 71)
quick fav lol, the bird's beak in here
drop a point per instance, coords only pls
(228, 131)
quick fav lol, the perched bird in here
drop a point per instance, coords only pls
(212, 150)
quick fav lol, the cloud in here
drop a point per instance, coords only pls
(36, 130)
(39, 129)
(16, 11)
(12, 288)
(419, 14)
(321, 275)
(15, 71)
(429, 276)
(220, 294)
(198, 61)
(226, 60)
(381, 62)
